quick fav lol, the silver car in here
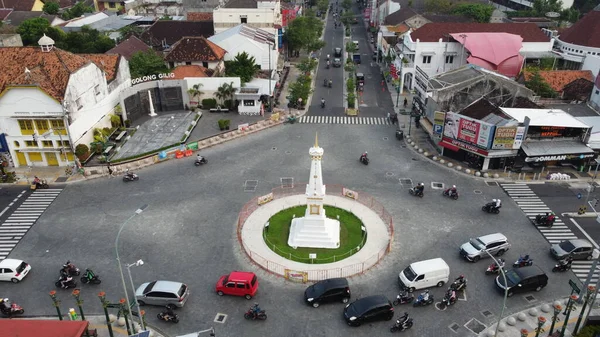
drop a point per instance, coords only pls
(163, 293)
(494, 244)
(578, 249)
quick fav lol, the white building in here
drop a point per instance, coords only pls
(265, 15)
(580, 40)
(194, 50)
(433, 50)
(256, 42)
(52, 100)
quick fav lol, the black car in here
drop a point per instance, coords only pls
(330, 290)
(337, 52)
(523, 279)
(368, 309)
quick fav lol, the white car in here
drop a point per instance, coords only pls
(13, 270)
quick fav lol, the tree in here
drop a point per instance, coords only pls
(76, 11)
(307, 65)
(225, 92)
(300, 89)
(351, 47)
(146, 63)
(570, 14)
(88, 41)
(51, 7)
(347, 4)
(438, 6)
(476, 11)
(32, 30)
(539, 85)
(195, 92)
(305, 33)
(243, 66)
(541, 7)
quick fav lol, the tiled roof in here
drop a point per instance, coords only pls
(584, 32)
(192, 48)
(241, 4)
(4, 13)
(193, 70)
(170, 31)
(446, 18)
(48, 70)
(108, 63)
(129, 47)
(558, 79)
(433, 32)
(399, 28)
(399, 16)
(199, 16)
(482, 108)
(18, 5)
(525, 103)
(16, 17)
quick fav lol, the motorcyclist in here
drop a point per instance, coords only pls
(550, 217)
(498, 203)
(420, 188)
(364, 156)
(36, 181)
(169, 312)
(403, 318)
(328, 63)
(453, 191)
(327, 57)
(199, 157)
(64, 280)
(524, 258)
(5, 304)
(325, 82)
(330, 83)
(425, 296)
(67, 267)
(460, 279)
(567, 261)
(255, 309)
(322, 102)
(500, 263)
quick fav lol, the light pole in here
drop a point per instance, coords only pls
(505, 292)
(270, 75)
(137, 211)
(137, 304)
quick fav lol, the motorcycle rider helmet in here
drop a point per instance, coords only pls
(453, 186)
(461, 276)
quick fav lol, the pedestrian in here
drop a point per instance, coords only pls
(110, 171)
(394, 119)
(405, 102)
(388, 117)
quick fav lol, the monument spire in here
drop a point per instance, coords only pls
(316, 139)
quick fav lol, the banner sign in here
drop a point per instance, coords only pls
(295, 276)
(152, 78)
(504, 138)
(559, 157)
(464, 146)
(438, 122)
(350, 193)
(265, 198)
(519, 137)
(468, 130)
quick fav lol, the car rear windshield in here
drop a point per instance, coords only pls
(409, 273)
(567, 246)
(21, 267)
(253, 283)
(182, 290)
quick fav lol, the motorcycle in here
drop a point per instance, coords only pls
(545, 220)
(325, 83)
(200, 161)
(41, 184)
(330, 83)
(69, 269)
(424, 299)
(90, 277)
(168, 316)
(130, 177)
(403, 298)
(69, 284)
(490, 207)
(523, 261)
(327, 67)
(252, 314)
(322, 104)
(459, 284)
(562, 265)
(449, 298)
(9, 309)
(494, 268)
(415, 192)
(447, 193)
(402, 324)
(364, 160)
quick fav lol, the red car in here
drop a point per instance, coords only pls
(238, 283)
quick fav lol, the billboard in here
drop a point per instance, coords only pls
(468, 130)
(504, 139)
(438, 122)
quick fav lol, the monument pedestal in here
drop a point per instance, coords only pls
(314, 233)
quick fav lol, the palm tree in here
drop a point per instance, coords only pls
(195, 92)
(224, 92)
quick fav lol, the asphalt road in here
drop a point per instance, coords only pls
(188, 234)
(10, 197)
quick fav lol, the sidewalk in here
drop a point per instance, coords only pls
(512, 325)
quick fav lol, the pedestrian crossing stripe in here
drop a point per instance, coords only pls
(532, 205)
(344, 120)
(23, 218)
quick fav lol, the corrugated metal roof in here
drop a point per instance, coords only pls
(552, 148)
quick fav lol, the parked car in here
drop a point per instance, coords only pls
(13, 270)
(238, 283)
(579, 249)
(337, 52)
(327, 291)
(522, 280)
(163, 293)
(495, 244)
(368, 309)
(337, 62)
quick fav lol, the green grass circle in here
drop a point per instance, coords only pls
(351, 236)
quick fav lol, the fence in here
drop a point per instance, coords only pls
(317, 275)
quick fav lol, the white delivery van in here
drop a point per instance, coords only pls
(424, 274)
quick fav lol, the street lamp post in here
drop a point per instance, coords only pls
(271, 48)
(138, 211)
(137, 304)
(505, 292)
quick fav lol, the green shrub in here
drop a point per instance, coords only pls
(81, 149)
(351, 100)
(209, 103)
(589, 331)
(221, 123)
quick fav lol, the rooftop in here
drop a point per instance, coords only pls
(433, 32)
(199, 16)
(47, 328)
(193, 70)
(484, 110)
(4, 13)
(108, 63)
(169, 32)
(18, 5)
(15, 18)
(241, 4)
(255, 34)
(86, 20)
(129, 47)
(558, 79)
(399, 16)
(544, 117)
(191, 48)
(581, 32)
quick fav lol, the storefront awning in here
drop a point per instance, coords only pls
(448, 146)
(536, 149)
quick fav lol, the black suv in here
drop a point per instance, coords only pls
(337, 52)
(330, 290)
(368, 309)
(523, 279)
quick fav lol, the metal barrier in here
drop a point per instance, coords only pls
(317, 275)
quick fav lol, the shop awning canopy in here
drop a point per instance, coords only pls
(554, 148)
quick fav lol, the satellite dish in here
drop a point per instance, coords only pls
(552, 14)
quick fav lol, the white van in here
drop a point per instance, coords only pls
(424, 274)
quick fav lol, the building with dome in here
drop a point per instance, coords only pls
(580, 40)
(51, 100)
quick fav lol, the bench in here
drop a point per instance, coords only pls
(91, 332)
(121, 135)
(218, 110)
(108, 149)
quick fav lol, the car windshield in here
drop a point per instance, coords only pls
(567, 246)
(149, 287)
(318, 288)
(477, 244)
(409, 273)
(513, 277)
(225, 280)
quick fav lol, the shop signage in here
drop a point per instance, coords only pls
(504, 138)
(519, 136)
(438, 122)
(468, 130)
(152, 78)
(551, 131)
(464, 146)
(559, 157)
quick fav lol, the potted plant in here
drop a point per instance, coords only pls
(227, 123)
(221, 123)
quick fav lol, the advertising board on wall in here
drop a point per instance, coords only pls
(504, 138)
(467, 147)
(438, 122)
(468, 130)
(519, 137)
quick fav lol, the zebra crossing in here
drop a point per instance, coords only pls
(23, 218)
(532, 205)
(344, 120)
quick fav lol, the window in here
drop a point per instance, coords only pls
(230, 285)
(597, 92)
(26, 126)
(248, 102)
(35, 156)
(79, 103)
(41, 125)
(240, 286)
(31, 143)
(47, 143)
(58, 125)
(188, 63)
(112, 5)
(426, 59)
(449, 59)
(420, 277)
(205, 64)
(97, 89)
(243, 20)
(17, 144)
(65, 143)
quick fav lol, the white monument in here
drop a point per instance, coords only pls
(314, 230)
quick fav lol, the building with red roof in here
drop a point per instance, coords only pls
(581, 39)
